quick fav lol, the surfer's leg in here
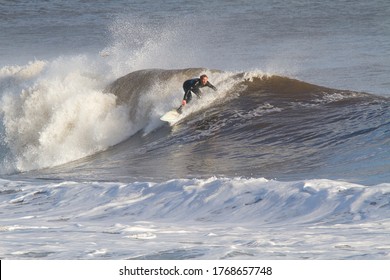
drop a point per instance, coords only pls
(187, 95)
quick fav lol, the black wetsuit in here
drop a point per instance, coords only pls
(194, 86)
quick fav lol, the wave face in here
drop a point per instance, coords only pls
(256, 125)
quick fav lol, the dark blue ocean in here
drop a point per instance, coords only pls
(288, 159)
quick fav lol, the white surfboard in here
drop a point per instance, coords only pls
(171, 117)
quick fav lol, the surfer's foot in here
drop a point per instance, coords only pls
(180, 109)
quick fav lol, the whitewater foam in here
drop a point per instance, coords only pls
(218, 218)
(56, 112)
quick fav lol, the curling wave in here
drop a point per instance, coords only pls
(256, 125)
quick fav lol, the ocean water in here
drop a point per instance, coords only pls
(289, 159)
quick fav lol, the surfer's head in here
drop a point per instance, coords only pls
(204, 79)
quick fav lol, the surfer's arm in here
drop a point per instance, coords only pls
(211, 86)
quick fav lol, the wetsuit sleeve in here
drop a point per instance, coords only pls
(211, 86)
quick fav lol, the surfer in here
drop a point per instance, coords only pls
(193, 86)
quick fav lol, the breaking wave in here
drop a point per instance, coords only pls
(256, 123)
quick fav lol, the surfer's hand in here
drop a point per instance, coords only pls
(183, 103)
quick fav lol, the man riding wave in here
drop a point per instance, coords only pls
(193, 86)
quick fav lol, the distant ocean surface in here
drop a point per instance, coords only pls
(289, 159)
